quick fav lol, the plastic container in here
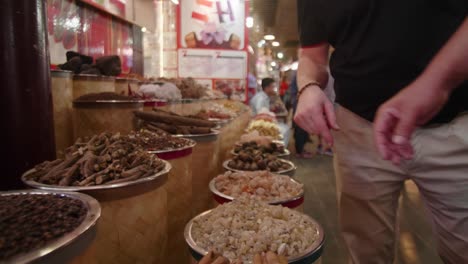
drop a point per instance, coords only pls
(94, 117)
(87, 83)
(62, 97)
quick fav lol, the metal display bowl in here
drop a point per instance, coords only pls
(290, 203)
(309, 256)
(108, 188)
(167, 154)
(214, 133)
(289, 172)
(69, 244)
(284, 155)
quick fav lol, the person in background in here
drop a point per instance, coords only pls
(399, 67)
(300, 135)
(284, 86)
(262, 98)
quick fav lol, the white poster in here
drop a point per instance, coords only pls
(212, 64)
(212, 24)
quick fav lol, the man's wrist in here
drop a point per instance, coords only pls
(307, 86)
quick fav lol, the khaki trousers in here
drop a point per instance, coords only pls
(370, 188)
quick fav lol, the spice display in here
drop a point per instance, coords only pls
(258, 161)
(255, 136)
(253, 148)
(104, 159)
(151, 141)
(165, 90)
(29, 221)
(245, 227)
(264, 128)
(106, 96)
(264, 185)
(173, 123)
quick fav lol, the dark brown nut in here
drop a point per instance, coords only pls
(232, 164)
(261, 165)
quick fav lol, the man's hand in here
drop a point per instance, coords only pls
(315, 113)
(397, 118)
(269, 258)
(211, 258)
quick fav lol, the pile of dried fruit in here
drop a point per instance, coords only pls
(265, 128)
(258, 161)
(105, 97)
(104, 159)
(254, 149)
(151, 141)
(28, 221)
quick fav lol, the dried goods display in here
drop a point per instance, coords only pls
(189, 87)
(253, 148)
(158, 142)
(255, 136)
(265, 128)
(106, 96)
(258, 161)
(264, 185)
(29, 221)
(245, 227)
(104, 159)
(164, 90)
(173, 123)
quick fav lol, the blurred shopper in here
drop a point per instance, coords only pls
(284, 86)
(390, 63)
(262, 99)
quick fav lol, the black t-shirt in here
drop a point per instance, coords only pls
(381, 46)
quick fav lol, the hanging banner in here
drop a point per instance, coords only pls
(212, 24)
(212, 44)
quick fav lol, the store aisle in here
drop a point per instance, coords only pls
(416, 245)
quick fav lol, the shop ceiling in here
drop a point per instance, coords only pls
(277, 17)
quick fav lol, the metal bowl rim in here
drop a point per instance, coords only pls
(310, 251)
(192, 144)
(285, 154)
(92, 215)
(215, 191)
(58, 188)
(214, 132)
(293, 167)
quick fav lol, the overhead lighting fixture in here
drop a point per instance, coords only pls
(143, 29)
(280, 55)
(269, 37)
(249, 22)
(261, 43)
(275, 44)
(175, 1)
(273, 64)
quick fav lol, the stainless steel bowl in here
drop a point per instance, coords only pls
(289, 172)
(309, 256)
(71, 244)
(190, 144)
(201, 137)
(118, 189)
(290, 203)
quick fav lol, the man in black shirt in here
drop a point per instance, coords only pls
(381, 47)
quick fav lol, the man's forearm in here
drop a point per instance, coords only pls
(313, 66)
(449, 67)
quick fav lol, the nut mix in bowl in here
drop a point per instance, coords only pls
(264, 185)
(246, 161)
(151, 141)
(244, 227)
(253, 147)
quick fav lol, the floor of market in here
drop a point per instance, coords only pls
(416, 243)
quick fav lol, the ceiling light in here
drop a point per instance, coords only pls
(273, 64)
(175, 1)
(261, 43)
(280, 55)
(269, 37)
(143, 29)
(249, 22)
(275, 44)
